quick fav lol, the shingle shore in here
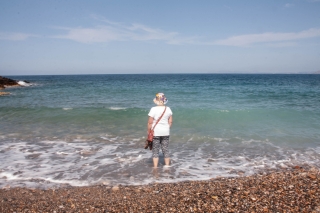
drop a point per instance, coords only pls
(292, 190)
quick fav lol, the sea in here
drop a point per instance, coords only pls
(82, 130)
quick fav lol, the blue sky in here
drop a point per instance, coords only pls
(106, 36)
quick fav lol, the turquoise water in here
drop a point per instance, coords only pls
(87, 129)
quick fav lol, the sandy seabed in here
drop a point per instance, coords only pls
(288, 190)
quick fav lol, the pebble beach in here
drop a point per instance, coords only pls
(288, 190)
(252, 145)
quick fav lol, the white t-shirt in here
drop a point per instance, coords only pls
(163, 127)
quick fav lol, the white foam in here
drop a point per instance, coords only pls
(24, 84)
(64, 153)
(9, 176)
(70, 182)
(67, 108)
(117, 108)
(80, 163)
(220, 139)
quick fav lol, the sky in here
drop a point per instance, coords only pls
(169, 36)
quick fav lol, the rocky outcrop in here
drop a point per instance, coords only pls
(7, 82)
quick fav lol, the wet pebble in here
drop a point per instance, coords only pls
(286, 190)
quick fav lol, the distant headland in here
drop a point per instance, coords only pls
(7, 82)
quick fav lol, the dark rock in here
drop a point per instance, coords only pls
(7, 82)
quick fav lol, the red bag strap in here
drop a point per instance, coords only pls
(159, 118)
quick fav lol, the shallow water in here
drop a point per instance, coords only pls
(88, 129)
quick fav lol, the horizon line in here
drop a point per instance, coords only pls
(229, 73)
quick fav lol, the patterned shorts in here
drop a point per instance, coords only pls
(163, 142)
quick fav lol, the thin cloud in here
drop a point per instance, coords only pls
(282, 44)
(15, 36)
(245, 40)
(289, 5)
(112, 31)
(91, 35)
(109, 31)
(141, 32)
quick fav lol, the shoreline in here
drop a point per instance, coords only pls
(288, 190)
